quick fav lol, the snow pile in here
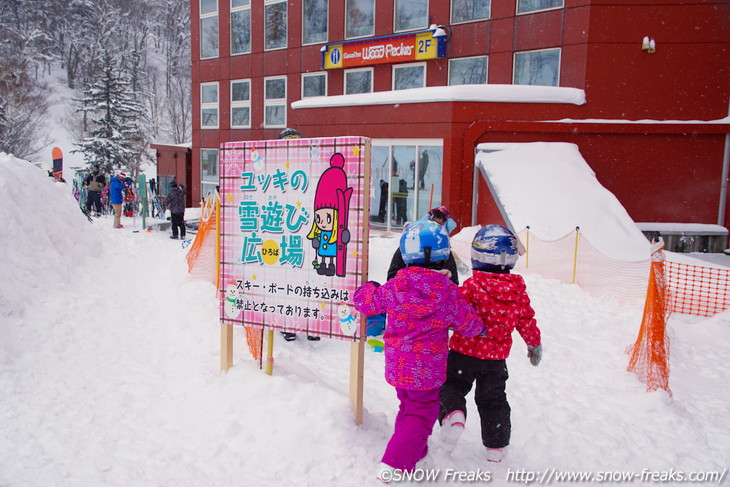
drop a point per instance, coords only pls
(42, 229)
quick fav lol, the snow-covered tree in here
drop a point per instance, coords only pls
(115, 120)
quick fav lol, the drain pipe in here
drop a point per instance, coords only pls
(724, 181)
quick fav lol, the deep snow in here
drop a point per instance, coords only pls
(109, 375)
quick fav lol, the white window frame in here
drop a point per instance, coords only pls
(528, 12)
(396, 67)
(327, 21)
(241, 103)
(348, 71)
(207, 183)
(200, 20)
(312, 75)
(375, 14)
(270, 102)
(514, 63)
(230, 27)
(421, 27)
(286, 41)
(451, 15)
(210, 105)
(418, 143)
(486, 72)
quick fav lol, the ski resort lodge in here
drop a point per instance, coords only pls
(642, 88)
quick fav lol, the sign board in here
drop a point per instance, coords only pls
(414, 46)
(293, 241)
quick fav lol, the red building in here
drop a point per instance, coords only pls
(654, 77)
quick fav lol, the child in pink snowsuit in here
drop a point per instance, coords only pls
(422, 304)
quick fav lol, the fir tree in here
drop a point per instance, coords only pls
(113, 120)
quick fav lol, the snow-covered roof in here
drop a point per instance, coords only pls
(459, 93)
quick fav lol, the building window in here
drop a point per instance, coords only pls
(411, 14)
(208, 171)
(537, 67)
(468, 71)
(533, 5)
(358, 81)
(314, 84)
(359, 18)
(314, 21)
(209, 105)
(468, 10)
(407, 76)
(208, 29)
(274, 24)
(406, 176)
(241, 104)
(275, 102)
(240, 26)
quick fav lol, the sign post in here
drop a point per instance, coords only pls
(293, 240)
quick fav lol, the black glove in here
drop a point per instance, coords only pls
(534, 354)
(315, 243)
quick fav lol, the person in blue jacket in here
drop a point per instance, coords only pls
(116, 197)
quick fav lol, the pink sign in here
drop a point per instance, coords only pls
(292, 226)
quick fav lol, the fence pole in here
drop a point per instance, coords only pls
(575, 253)
(527, 247)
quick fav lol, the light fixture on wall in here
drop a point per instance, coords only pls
(440, 31)
(648, 45)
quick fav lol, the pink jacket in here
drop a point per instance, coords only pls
(422, 305)
(503, 305)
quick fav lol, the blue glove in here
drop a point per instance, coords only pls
(534, 354)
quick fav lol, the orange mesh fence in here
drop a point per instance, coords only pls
(649, 356)
(203, 263)
(695, 290)
(202, 260)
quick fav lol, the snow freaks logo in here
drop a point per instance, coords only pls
(435, 474)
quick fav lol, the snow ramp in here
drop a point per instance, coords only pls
(550, 188)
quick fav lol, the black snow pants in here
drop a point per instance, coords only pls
(490, 397)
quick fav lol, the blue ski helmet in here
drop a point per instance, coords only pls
(494, 248)
(424, 242)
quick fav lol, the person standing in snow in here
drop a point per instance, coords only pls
(95, 183)
(501, 300)
(175, 201)
(422, 305)
(117, 186)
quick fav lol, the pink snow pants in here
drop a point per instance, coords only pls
(417, 414)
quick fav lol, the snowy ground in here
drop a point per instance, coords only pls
(109, 376)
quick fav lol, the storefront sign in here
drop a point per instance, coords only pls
(414, 46)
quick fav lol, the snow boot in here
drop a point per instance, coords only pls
(385, 473)
(496, 455)
(452, 427)
(289, 337)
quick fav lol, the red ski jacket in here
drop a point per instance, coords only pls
(502, 303)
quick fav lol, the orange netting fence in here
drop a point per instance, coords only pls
(649, 356)
(695, 290)
(203, 262)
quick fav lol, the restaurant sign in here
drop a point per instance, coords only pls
(414, 46)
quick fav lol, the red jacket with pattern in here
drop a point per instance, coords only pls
(502, 303)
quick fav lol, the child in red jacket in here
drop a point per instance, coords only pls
(501, 301)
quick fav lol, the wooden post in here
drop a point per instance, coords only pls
(226, 347)
(575, 253)
(269, 352)
(357, 376)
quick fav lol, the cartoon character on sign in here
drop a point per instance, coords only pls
(348, 324)
(232, 297)
(329, 233)
(258, 161)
